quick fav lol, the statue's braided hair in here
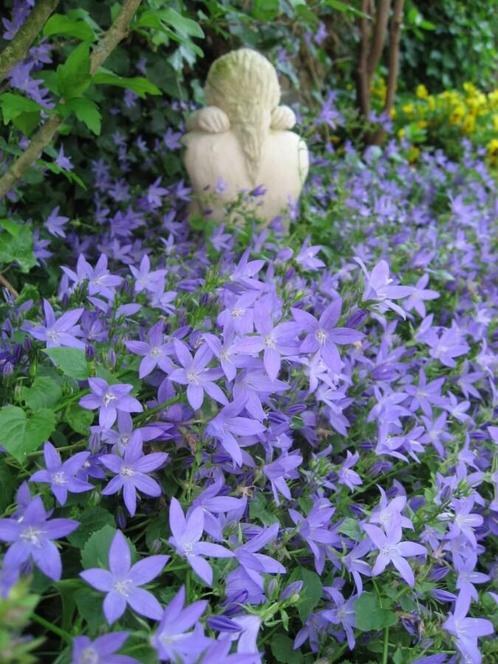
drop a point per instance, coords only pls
(244, 84)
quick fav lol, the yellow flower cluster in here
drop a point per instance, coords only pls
(450, 116)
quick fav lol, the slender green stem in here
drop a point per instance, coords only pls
(385, 654)
(52, 628)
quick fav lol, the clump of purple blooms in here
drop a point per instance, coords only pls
(261, 448)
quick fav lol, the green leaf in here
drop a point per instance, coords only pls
(43, 393)
(91, 521)
(87, 112)
(58, 24)
(140, 85)
(21, 434)
(89, 604)
(258, 509)
(79, 419)
(71, 361)
(311, 592)
(370, 615)
(282, 649)
(73, 77)
(16, 244)
(351, 528)
(266, 10)
(13, 105)
(183, 25)
(94, 553)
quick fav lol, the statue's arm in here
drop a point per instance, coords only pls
(210, 119)
(282, 118)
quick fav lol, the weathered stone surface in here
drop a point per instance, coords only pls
(242, 139)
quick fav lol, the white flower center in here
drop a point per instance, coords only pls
(89, 656)
(108, 398)
(31, 535)
(126, 471)
(321, 336)
(193, 377)
(269, 341)
(52, 335)
(123, 587)
(59, 478)
(155, 351)
(237, 312)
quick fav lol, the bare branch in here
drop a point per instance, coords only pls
(362, 79)
(43, 137)
(17, 49)
(394, 38)
(379, 36)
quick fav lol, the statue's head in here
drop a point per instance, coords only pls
(242, 79)
(244, 84)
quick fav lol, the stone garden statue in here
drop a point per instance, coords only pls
(242, 140)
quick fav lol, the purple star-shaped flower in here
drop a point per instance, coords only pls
(155, 351)
(58, 331)
(31, 535)
(228, 424)
(393, 550)
(62, 476)
(196, 376)
(100, 651)
(55, 223)
(186, 534)
(132, 473)
(110, 400)
(322, 335)
(123, 580)
(467, 630)
(172, 641)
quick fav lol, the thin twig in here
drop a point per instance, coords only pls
(43, 137)
(6, 284)
(17, 49)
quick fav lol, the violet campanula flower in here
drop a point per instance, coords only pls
(30, 537)
(344, 614)
(195, 374)
(63, 161)
(228, 424)
(393, 550)
(419, 296)
(323, 336)
(55, 223)
(255, 564)
(56, 332)
(313, 529)
(62, 476)
(379, 287)
(155, 194)
(155, 351)
(100, 651)
(100, 280)
(273, 340)
(306, 257)
(146, 279)
(186, 535)
(122, 581)
(281, 469)
(109, 400)
(132, 473)
(172, 640)
(466, 631)
(346, 475)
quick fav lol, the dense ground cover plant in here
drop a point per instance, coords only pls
(226, 444)
(291, 446)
